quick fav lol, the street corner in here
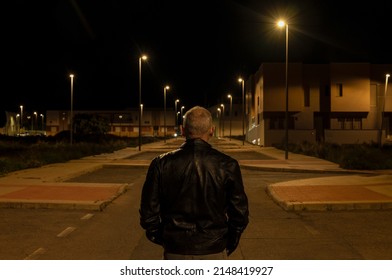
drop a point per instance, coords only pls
(61, 195)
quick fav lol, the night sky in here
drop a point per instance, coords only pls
(197, 47)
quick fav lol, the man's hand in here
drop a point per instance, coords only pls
(155, 236)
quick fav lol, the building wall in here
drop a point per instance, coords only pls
(355, 91)
(337, 102)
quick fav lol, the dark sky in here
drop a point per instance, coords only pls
(198, 47)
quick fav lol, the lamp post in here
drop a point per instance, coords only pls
(42, 123)
(219, 120)
(34, 127)
(21, 118)
(165, 89)
(143, 57)
(231, 107)
(182, 114)
(281, 24)
(120, 117)
(175, 112)
(71, 116)
(243, 109)
(223, 120)
(383, 111)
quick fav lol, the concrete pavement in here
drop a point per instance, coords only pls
(45, 187)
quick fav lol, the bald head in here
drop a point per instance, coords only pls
(198, 123)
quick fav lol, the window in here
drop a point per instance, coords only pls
(350, 123)
(341, 123)
(306, 96)
(339, 89)
(357, 123)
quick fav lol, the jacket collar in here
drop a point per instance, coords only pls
(195, 142)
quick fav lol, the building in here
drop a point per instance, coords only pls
(121, 123)
(335, 103)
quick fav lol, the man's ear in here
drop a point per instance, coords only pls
(212, 130)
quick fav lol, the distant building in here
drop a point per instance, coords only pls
(121, 123)
(336, 103)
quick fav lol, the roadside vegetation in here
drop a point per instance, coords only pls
(90, 138)
(17, 153)
(348, 156)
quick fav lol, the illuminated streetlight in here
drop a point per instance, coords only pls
(143, 57)
(21, 118)
(231, 108)
(223, 120)
(164, 112)
(219, 121)
(282, 24)
(383, 111)
(182, 114)
(243, 110)
(36, 121)
(71, 117)
(175, 111)
(120, 117)
(42, 122)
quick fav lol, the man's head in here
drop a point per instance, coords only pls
(198, 123)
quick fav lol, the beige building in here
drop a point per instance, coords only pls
(121, 123)
(336, 103)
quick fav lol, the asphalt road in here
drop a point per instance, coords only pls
(115, 234)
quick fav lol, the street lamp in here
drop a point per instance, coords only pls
(36, 122)
(231, 107)
(175, 112)
(71, 117)
(165, 89)
(120, 117)
(223, 120)
(21, 118)
(243, 109)
(182, 114)
(42, 122)
(143, 57)
(219, 120)
(383, 111)
(282, 24)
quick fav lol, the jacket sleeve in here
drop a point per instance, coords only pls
(150, 204)
(237, 211)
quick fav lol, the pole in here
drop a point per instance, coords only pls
(383, 111)
(286, 155)
(71, 117)
(164, 113)
(231, 107)
(140, 103)
(243, 112)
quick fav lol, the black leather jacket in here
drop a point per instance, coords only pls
(193, 197)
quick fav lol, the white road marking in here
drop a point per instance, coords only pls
(87, 216)
(312, 230)
(34, 255)
(65, 232)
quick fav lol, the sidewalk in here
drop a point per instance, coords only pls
(45, 187)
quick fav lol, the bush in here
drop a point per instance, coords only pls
(18, 153)
(348, 156)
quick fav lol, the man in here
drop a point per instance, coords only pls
(193, 201)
